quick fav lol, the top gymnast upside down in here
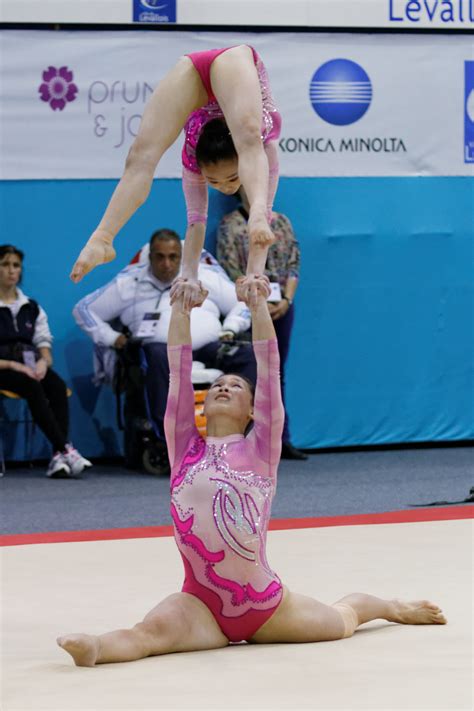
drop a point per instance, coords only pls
(221, 492)
(222, 99)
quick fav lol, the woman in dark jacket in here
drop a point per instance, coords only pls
(25, 365)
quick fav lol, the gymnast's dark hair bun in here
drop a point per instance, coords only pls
(215, 143)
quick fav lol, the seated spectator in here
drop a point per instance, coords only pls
(25, 365)
(282, 268)
(143, 257)
(140, 297)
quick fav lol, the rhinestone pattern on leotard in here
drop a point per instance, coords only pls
(233, 521)
(198, 119)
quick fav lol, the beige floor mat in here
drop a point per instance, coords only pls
(94, 587)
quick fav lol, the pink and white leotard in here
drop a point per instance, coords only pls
(194, 185)
(221, 494)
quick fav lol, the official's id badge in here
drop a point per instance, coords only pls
(149, 325)
(275, 293)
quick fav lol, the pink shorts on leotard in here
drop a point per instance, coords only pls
(202, 63)
(236, 629)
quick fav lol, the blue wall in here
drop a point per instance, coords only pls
(383, 348)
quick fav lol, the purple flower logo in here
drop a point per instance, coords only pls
(58, 88)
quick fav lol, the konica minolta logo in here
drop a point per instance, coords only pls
(340, 92)
(435, 12)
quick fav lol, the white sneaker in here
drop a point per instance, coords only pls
(58, 467)
(77, 463)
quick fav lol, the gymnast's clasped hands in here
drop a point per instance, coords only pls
(192, 294)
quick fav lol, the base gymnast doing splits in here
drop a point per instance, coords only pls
(221, 492)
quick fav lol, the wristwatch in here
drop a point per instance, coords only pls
(290, 301)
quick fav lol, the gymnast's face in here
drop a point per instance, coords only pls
(230, 395)
(223, 176)
(10, 270)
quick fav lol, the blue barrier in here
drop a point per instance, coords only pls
(383, 347)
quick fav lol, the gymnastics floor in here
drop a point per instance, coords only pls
(59, 583)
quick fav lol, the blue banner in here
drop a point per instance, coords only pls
(157, 11)
(469, 112)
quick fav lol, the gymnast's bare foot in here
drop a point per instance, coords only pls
(259, 229)
(98, 250)
(418, 612)
(83, 648)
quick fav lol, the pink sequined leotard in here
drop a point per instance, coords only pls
(221, 495)
(194, 185)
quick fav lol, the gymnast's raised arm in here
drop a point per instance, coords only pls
(179, 417)
(268, 414)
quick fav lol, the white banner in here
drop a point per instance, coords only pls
(395, 14)
(352, 105)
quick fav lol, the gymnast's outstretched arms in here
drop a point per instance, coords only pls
(269, 414)
(196, 196)
(263, 328)
(179, 421)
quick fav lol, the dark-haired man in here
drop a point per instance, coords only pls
(140, 297)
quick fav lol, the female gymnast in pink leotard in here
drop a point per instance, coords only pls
(222, 99)
(221, 493)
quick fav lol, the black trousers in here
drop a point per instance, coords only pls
(157, 376)
(283, 329)
(47, 400)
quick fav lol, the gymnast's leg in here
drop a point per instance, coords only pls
(235, 82)
(180, 623)
(178, 94)
(303, 619)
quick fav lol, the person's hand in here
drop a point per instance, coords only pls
(190, 292)
(252, 287)
(121, 341)
(278, 309)
(226, 336)
(22, 368)
(41, 368)
(180, 304)
(259, 229)
(98, 250)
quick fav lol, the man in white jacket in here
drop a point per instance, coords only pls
(140, 297)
